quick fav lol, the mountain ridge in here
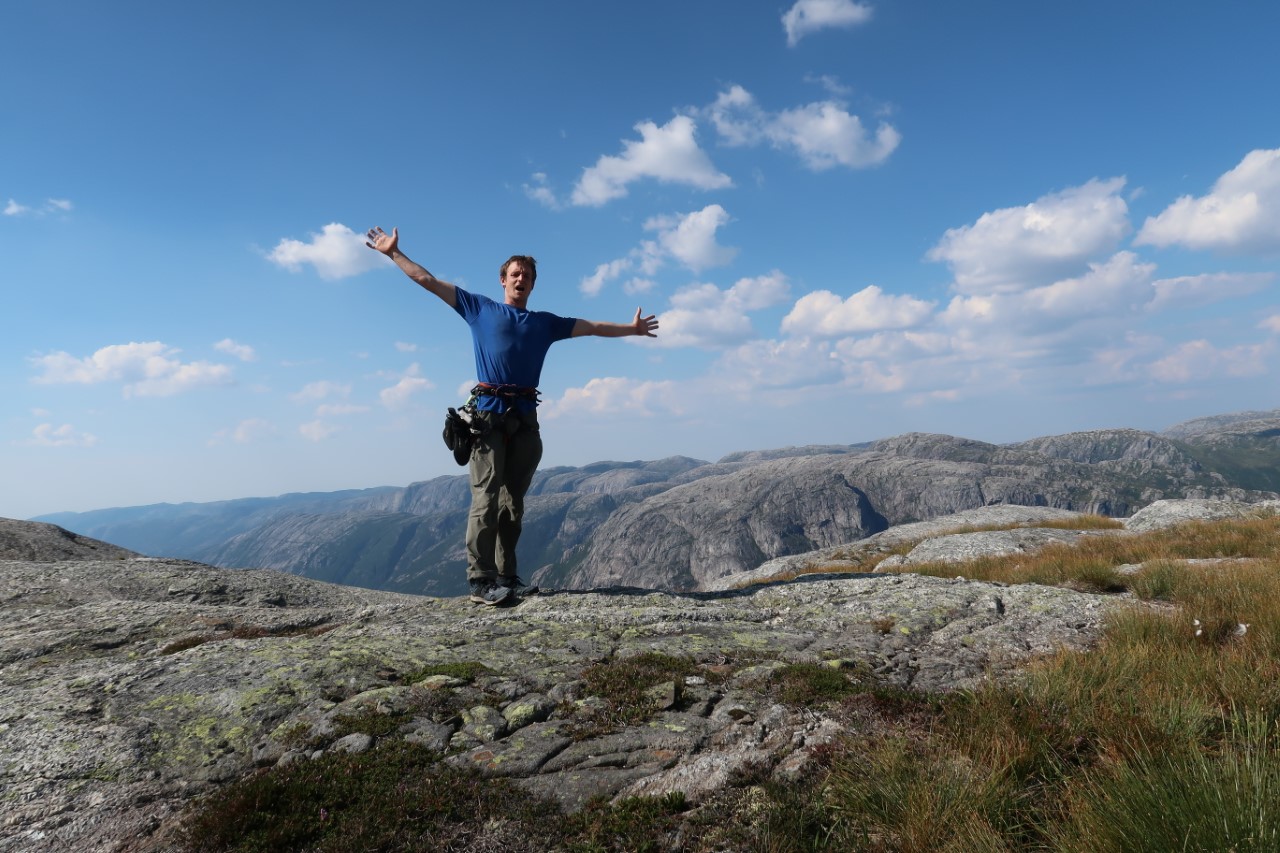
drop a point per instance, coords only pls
(680, 523)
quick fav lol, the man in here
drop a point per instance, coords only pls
(511, 343)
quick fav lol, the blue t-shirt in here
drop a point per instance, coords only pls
(510, 343)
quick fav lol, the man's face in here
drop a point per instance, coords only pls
(517, 284)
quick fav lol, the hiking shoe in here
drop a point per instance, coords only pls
(517, 586)
(485, 591)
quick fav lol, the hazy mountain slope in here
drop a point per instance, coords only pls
(679, 523)
(189, 530)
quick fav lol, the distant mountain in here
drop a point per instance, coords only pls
(189, 529)
(680, 523)
(1244, 447)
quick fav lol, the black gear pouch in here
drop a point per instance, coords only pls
(457, 436)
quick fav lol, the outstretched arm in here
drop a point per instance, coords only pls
(646, 326)
(389, 245)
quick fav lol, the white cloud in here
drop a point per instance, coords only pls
(1241, 213)
(540, 191)
(703, 315)
(336, 252)
(594, 283)
(403, 346)
(615, 396)
(244, 352)
(399, 395)
(51, 205)
(320, 390)
(1113, 291)
(824, 134)
(688, 238)
(691, 239)
(639, 286)
(47, 435)
(669, 154)
(1017, 248)
(799, 362)
(810, 16)
(1271, 324)
(1197, 290)
(1200, 360)
(824, 314)
(146, 369)
(317, 430)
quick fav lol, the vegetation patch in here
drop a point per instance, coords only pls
(807, 685)
(467, 671)
(400, 797)
(1164, 737)
(623, 685)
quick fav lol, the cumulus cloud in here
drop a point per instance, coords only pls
(47, 435)
(606, 272)
(244, 352)
(810, 16)
(1195, 290)
(1242, 212)
(403, 346)
(1114, 290)
(1017, 248)
(823, 134)
(147, 369)
(689, 239)
(669, 154)
(616, 396)
(15, 209)
(1271, 324)
(336, 252)
(319, 391)
(400, 394)
(798, 362)
(703, 315)
(824, 314)
(1200, 360)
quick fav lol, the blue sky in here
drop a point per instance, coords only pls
(997, 220)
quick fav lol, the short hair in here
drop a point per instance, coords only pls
(524, 260)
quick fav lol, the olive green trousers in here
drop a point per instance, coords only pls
(503, 462)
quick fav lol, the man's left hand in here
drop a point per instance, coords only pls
(645, 325)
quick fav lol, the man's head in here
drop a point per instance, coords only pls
(517, 275)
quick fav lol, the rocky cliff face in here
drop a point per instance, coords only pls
(691, 535)
(680, 523)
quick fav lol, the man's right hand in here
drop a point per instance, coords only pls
(383, 242)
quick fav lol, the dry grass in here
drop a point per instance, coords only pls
(1163, 737)
(857, 560)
